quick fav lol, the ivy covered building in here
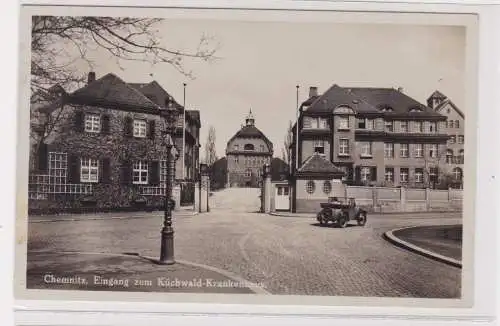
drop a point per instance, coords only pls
(105, 149)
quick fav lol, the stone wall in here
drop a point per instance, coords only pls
(378, 199)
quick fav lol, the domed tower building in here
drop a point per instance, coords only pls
(246, 152)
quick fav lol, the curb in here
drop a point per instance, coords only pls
(251, 285)
(290, 215)
(77, 219)
(389, 236)
(372, 213)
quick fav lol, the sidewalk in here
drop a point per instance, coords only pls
(182, 212)
(131, 273)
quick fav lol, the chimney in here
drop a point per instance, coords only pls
(313, 91)
(91, 77)
(400, 89)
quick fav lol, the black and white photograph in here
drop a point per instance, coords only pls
(308, 155)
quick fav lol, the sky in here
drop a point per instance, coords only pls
(262, 62)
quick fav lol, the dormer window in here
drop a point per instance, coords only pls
(416, 109)
(386, 108)
(236, 147)
(249, 147)
(319, 146)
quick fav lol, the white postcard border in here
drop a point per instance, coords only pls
(480, 310)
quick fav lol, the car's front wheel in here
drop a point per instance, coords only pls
(362, 219)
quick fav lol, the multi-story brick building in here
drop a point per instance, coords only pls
(246, 152)
(106, 148)
(454, 128)
(377, 136)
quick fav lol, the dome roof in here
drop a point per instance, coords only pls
(250, 131)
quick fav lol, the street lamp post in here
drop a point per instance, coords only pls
(167, 232)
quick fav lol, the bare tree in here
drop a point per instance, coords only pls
(285, 151)
(58, 42)
(210, 151)
(432, 167)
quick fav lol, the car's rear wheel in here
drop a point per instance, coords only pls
(362, 219)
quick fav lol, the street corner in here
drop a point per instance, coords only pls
(130, 273)
(442, 243)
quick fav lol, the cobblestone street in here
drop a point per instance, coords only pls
(288, 255)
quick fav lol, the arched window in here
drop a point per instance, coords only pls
(310, 187)
(457, 174)
(327, 187)
(249, 147)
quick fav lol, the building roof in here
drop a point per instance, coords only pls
(110, 89)
(446, 102)
(251, 131)
(157, 94)
(370, 100)
(438, 94)
(317, 163)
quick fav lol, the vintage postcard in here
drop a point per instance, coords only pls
(246, 156)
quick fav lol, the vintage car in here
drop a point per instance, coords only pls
(341, 212)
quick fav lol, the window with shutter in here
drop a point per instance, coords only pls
(79, 121)
(373, 173)
(126, 172)
(140, 128)
(152, 129)
(357, 173)
(42, 157)
(105, 170)
(92, 123)
(154, 175)
(74, 169)
(128, 127)
(365, 174)
(106, 124)
(140, 172)
(89, 170)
